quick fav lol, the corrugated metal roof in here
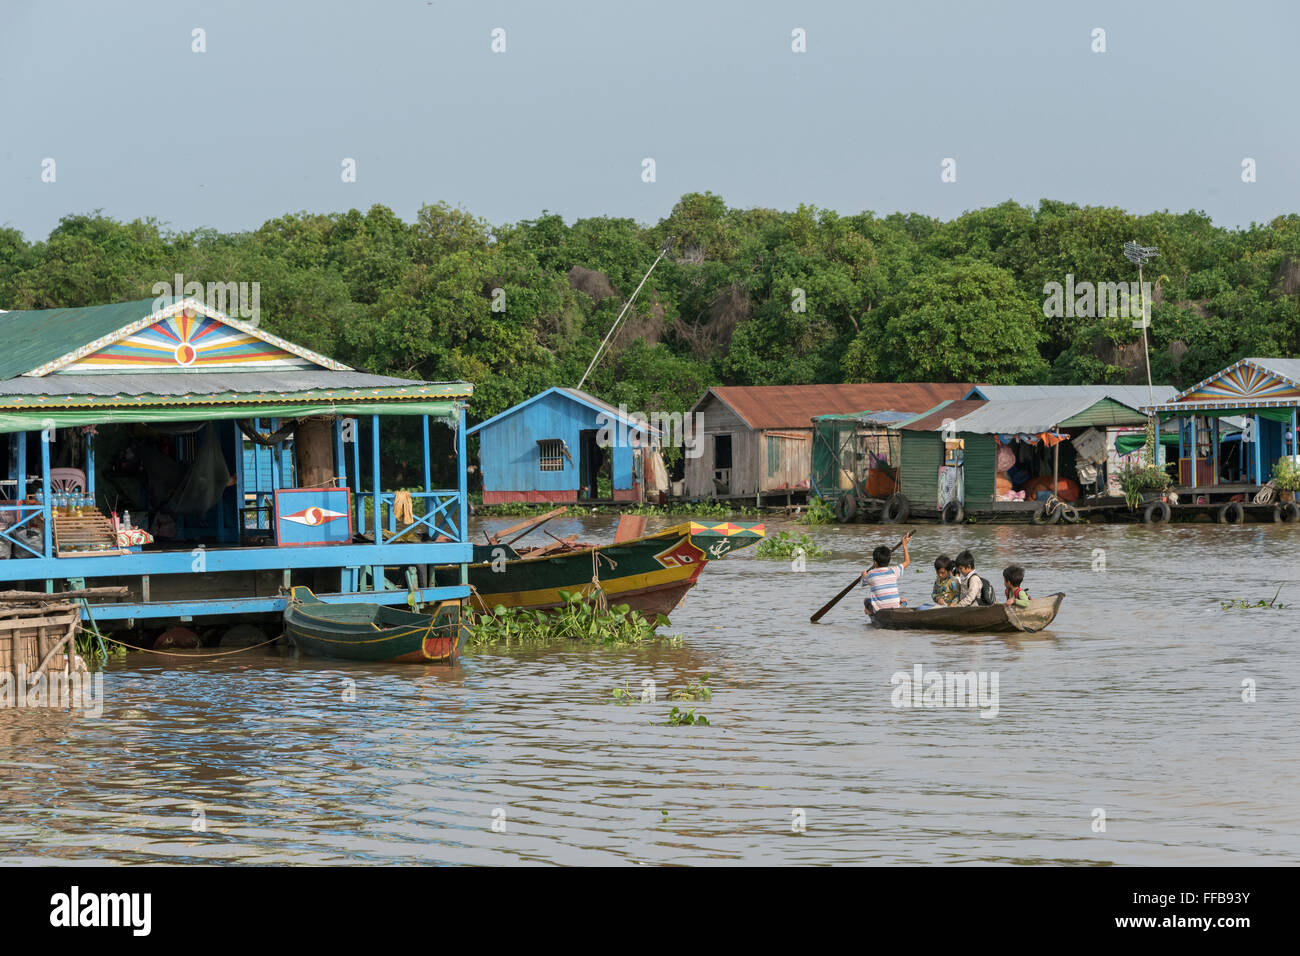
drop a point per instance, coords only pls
(37, 339)
(795, 406)
(176, 390)
(1027, 417)
(883, 417)
(1134, 396)
(197, 383)
(935, 418)
(591, 401)
(1287, 368)
(33, 337)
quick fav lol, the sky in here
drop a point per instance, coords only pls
(261, 122)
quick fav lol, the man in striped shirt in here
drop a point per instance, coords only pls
(883, 579)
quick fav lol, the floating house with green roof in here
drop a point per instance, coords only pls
(148, 408)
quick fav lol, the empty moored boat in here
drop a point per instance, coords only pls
(371, 632)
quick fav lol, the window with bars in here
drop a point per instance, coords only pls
(550, 452)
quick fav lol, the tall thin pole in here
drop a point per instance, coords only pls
(1146, 348)
(667, 247)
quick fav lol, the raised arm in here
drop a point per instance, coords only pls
(907, 558)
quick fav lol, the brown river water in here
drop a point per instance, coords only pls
(1131, 704)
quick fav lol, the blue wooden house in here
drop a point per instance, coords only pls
(135, 408)
(562, 445)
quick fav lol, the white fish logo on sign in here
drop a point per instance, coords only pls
(314, 516)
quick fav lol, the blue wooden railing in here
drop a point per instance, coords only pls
(7, 532)
(441, 510)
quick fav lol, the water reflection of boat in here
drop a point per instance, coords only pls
(371, 632)
(991, 618)
(650, 573)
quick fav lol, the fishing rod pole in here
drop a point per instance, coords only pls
(667, 248)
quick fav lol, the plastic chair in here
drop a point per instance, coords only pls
(67, 480)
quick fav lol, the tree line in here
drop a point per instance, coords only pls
(746, 297)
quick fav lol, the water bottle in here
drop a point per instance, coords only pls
(126, 521)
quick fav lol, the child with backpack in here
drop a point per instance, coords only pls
(1012, 578)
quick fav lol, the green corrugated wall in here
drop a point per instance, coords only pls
(919, 472)
(981, 461)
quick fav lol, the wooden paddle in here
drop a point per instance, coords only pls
(836, 600)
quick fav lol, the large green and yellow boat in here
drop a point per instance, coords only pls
(650, 573)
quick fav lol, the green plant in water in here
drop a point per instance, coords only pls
(696, 690)
(1241, 603)
(686, 718)
(582, 617)
(1138, 481)
(820, 511)
(1286, 474)
(693, 509)
(785, 544)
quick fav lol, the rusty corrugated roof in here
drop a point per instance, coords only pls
(933, 421)
(794, 406)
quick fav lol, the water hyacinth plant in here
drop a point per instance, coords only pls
(582, 617)
(785, 545)
(820, 511)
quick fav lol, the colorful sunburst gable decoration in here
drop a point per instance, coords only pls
(188, 340)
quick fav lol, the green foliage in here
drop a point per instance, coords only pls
(686, 718)
(820, 511)
(693, 509)
(747, 296)
(1137, 481)
(582, 617)
(1243, 604)
(960, 323)
(786, 545)
(512, 509)
(697, 689)
(1286, 474)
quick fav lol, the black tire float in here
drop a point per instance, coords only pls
(897, 509)
(1157, 513)
(1231, 513)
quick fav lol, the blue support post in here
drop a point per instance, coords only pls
(47, 436)
(1214, 437)
(22, 466)
(428, 485)
(462, 488)
(340, 459)
(90, 465)
(376, 575)
(1294, 436)
(356, 472)
(1259, 440)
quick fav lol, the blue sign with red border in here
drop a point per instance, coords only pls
(313, 516)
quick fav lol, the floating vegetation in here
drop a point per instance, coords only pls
(694, 509)
(820, 511)
(697, 689)
(1241, 603)
(582, 617)
(686, 718)
(786, 545)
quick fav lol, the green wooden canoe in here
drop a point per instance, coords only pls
(371, 632)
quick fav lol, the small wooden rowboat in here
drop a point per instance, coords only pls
(984, 619)
(371, 632)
